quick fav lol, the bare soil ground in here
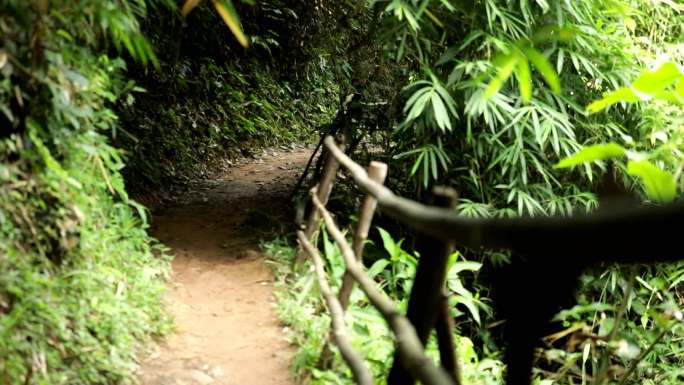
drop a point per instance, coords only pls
(221, 292)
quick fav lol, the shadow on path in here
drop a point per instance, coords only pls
(221, 293)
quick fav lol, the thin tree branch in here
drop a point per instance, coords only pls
(351, 356)
(634, 363)
(411, 350)
(300, 181)
(603, 366)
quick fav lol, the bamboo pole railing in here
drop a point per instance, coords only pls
(361, 373)
(425, 304)
(617, 234)
(377, 171)
(324, 188)
(409, 347)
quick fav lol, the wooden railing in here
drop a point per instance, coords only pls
(621, 234)
(410, 341)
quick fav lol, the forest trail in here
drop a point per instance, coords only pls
(221, 292)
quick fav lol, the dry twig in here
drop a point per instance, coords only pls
(411, 350)
(351, 356)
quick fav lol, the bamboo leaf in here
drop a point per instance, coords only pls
(188, 6)
(592, 153)
(426, 171)
(652, 82)
(433, 165)
(412, 100)
(541, 63)
(416, 164)
(524, 80)
(503, 71)
(659, 184)
(622, 94)
(418, 106)
(448, 100)
(227, 12)
(441, 115)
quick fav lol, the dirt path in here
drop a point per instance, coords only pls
(221, 292)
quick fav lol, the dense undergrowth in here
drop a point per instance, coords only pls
(211, 99)
(222, 118)
(81, 281)
(301, 307)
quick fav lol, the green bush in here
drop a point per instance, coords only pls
(81, 282)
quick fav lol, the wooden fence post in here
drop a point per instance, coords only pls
(410, 351)
(324, 188)
(355, 361)
(377, 171)
(426, 299)
(444, 327)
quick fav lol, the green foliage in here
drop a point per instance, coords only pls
(301, 307)
(593, 153)
(212, 99)
(517, 76)
(664, 83)
(518, 62)
(461, 295)
(431, 94)
(400, 268)
(659, 185)
(651, 324)
(81, 282)
(507, 140)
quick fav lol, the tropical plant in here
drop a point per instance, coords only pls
(495, 99)
(79, 272)
(663, 86)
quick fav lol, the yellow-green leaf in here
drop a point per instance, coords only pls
(652, 82)
(188, 6)
(542, 64)
(659, 184)
(524, 79)
(504, 68)
(230, 17)
(622, 94)
(679, 89)
(591, 154)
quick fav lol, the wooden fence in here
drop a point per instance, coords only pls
(624, 234)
